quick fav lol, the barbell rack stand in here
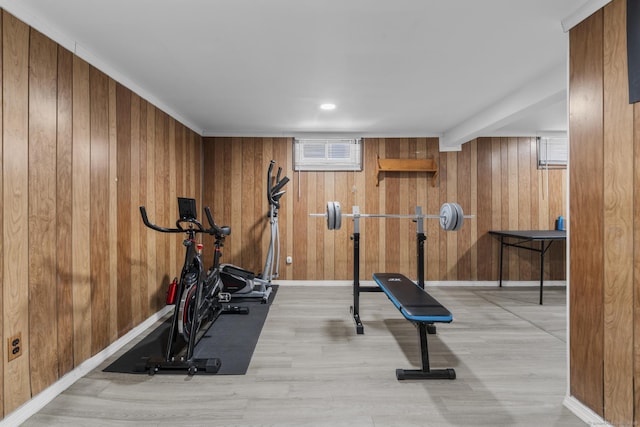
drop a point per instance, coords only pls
(358, 288)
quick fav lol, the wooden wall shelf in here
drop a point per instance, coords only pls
(407, 165)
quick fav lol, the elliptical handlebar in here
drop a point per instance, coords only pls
(273, 192)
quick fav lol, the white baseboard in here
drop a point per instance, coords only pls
(23, 412)
(315, 282)
(584, 413)
(490, 283)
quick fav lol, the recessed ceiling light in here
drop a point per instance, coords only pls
(328, 107)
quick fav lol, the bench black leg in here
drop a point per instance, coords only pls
(425, 373)
(355, 308)
(356, 319)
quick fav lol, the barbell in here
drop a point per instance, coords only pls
(451, 216)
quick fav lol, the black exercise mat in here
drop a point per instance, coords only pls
(232, 339)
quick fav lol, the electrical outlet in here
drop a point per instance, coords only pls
(14, 346)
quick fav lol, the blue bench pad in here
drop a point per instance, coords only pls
(413, 302)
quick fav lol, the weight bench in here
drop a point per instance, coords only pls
(417, 306)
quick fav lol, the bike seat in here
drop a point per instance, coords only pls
(226, 230)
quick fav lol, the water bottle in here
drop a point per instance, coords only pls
(560, 223)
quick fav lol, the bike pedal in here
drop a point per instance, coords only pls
(224, 297)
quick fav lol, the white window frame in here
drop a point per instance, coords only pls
(327, 154)
(553, 152)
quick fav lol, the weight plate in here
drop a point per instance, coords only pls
(460, 217)
(453, 222)
(331, 215)
(446, 216)
(442, 217)
(338, 215)
(454, 217)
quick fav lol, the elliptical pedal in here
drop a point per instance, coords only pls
(235, 309)
(224, 297)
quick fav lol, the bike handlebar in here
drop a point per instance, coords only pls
(219, 231)
(179, 228)
(152, 226)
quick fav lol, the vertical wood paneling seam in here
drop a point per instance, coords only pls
(15, 296)
(64, 206)
(113, 211)
(42, 261)
(173, 201)
(2, 226)
(636, 259)
(99, 217)
(618, 218)
(473, 210)
(133, 215)
(151, 207)
(81, 256)
(586, 212)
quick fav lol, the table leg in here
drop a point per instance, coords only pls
(542, 251)
(501, 255)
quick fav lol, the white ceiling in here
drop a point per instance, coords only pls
(456, 69)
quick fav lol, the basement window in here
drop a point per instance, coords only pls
(328, 154)
(552, 152)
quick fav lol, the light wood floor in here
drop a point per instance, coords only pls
(310, 368)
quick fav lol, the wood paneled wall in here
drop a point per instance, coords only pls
(80, 153)
(495, 179)
(604, 220)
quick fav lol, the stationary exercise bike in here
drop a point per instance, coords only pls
(197, 295)
(241, 283)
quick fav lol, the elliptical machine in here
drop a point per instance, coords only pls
(241, 283)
